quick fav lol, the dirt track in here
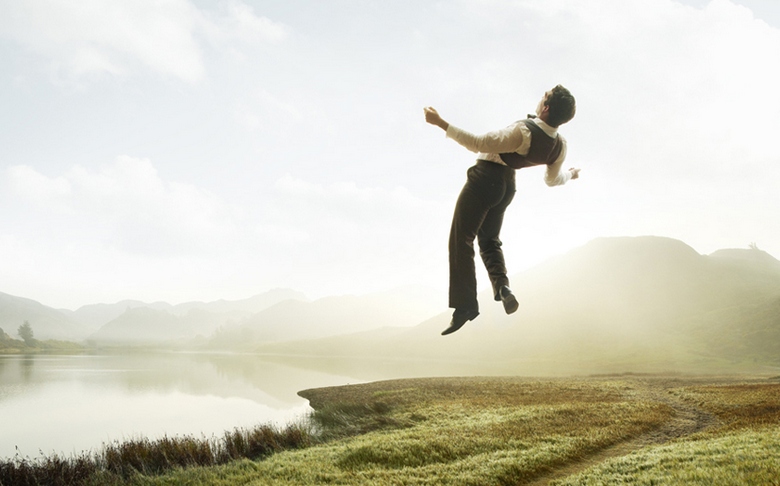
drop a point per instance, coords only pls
(687, 419)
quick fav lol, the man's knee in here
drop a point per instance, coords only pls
(489, 245)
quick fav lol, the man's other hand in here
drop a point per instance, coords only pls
(432, 116)
(575, 173)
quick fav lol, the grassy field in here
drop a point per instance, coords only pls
(15, 346)
(739, 458)
(741, 447)
(500, 431)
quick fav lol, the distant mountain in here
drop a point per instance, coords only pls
(46, 322)
(162, 323)
(93, 316)
(251, 305)
(96, 315)
(758, 259)
(143, 325)
(615, 304)
(330, 316)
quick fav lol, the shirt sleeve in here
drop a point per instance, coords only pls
(554, 176)
(509, 139)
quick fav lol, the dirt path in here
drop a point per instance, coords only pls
(687, 419)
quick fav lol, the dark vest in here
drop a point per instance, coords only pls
(544, 149)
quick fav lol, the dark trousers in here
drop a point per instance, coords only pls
(479, 213)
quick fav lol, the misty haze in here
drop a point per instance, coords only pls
(615, 305)
(224, 243)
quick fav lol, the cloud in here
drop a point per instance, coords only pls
(370, 224)
(93, 37)
(338, 236)
(265, 113)
(127, 205)
(347, 205)
(30, 185)
(125, 216)
(242, 23)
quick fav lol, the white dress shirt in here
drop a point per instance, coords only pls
(514, 138)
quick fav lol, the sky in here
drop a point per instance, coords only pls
(184, 150)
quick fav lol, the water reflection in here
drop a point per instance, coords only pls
(27, 365)
(68, 404)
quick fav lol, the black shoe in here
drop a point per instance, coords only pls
(458, 319)
(508, 299)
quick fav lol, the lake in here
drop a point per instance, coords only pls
(70, 404)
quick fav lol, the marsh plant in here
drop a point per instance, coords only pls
(118, 461)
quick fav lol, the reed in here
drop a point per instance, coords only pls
(121, 460)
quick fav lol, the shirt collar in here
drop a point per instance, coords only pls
(551, 131)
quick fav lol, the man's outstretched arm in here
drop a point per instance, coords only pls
(432, 116)
(508, 139)
(555, 175)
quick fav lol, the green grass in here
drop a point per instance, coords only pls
(737, 406)
(742, 449)
(448, 431)
(15, 346)
(746, 457)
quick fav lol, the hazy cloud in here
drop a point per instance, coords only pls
(96, 37)
(349, 205)
(129, 206)
(264, 112)
(343, 234)
(242, 23)
(28, 184)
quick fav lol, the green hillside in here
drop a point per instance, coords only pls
(46, 322)
(613, 305)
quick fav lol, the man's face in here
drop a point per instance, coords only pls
(540, 106)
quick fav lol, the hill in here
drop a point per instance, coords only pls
(132, 322)
(143, 325)
(615, 304)
(46, 322)
(292, 320)
(191, 318)
(279, 316)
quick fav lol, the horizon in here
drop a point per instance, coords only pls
(189, 153)
(402, 288)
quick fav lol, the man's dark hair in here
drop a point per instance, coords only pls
(562, 106)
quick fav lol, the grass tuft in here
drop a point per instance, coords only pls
(52, 470)
(123, 460)
(741, 458)
(339, 420)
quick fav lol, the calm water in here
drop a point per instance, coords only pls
(68, 404)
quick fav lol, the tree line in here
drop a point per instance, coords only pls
(25, 332)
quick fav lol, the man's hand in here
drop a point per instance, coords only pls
(575, 173)
(432, 117)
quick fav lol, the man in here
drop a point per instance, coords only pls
(490, 188)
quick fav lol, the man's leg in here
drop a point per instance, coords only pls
(490, 243)
(470, 211)
(490, 248)
(465, 224)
